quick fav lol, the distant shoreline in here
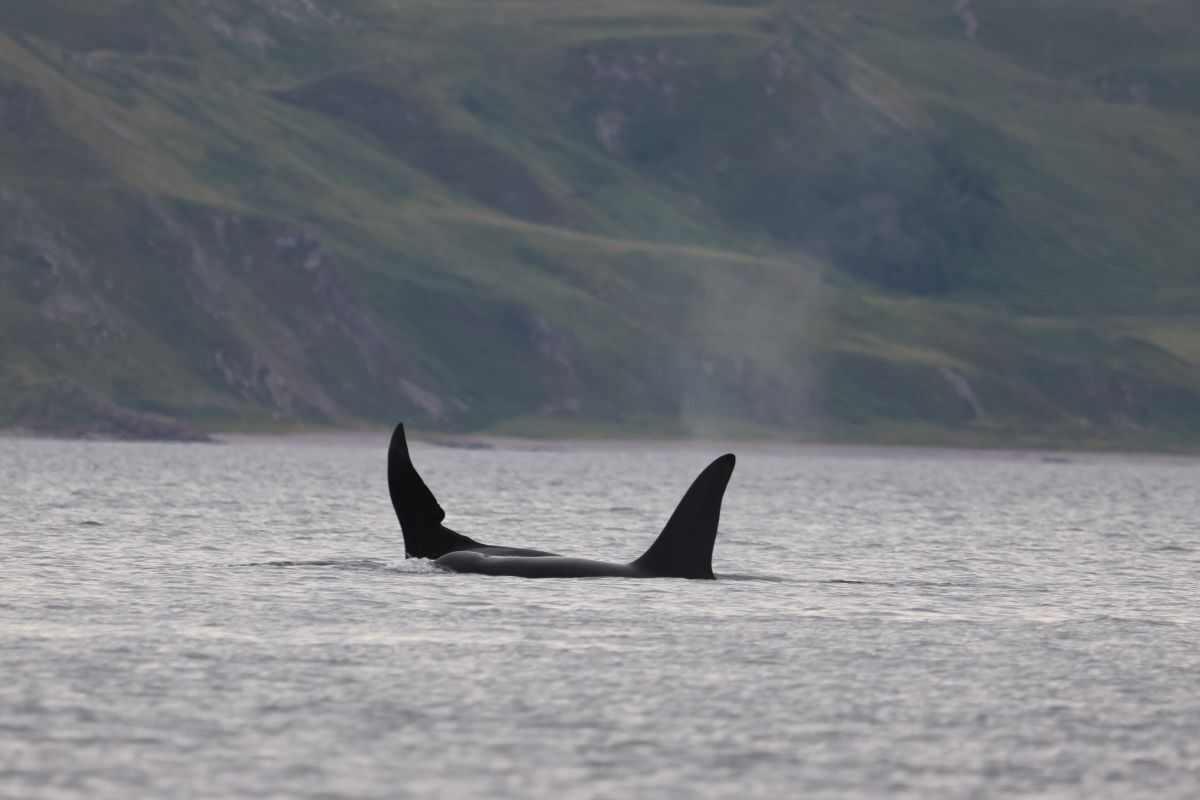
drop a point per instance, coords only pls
(740, 446)
(378, 437)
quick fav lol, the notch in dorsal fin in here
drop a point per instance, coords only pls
(416, 508)
(684, 548)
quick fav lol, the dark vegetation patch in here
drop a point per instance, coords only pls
(908, 209)
(33, 146)
(414, 131)
(907, 215)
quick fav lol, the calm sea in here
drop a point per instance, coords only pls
(185, 621)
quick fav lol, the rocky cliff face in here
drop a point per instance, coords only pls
(214, 309)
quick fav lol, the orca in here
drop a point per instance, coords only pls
(682, 550)
(421, 517)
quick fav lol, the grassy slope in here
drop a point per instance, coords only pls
(536, 217)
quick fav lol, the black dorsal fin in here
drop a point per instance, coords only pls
(684, 548)
(416, 508)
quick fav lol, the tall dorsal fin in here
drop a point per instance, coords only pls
(416, 508)
(684, 548)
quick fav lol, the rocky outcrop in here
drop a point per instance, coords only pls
(263, 316)
(69, 410)
(312, 348)
(1116, 399)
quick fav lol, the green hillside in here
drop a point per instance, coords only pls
(890, 221)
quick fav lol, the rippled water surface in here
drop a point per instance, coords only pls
(240, 621)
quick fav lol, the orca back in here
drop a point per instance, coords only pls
(684, 548)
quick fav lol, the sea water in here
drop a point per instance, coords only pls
(239, 620)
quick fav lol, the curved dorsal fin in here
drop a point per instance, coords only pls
(684, 548)
(416, 508)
